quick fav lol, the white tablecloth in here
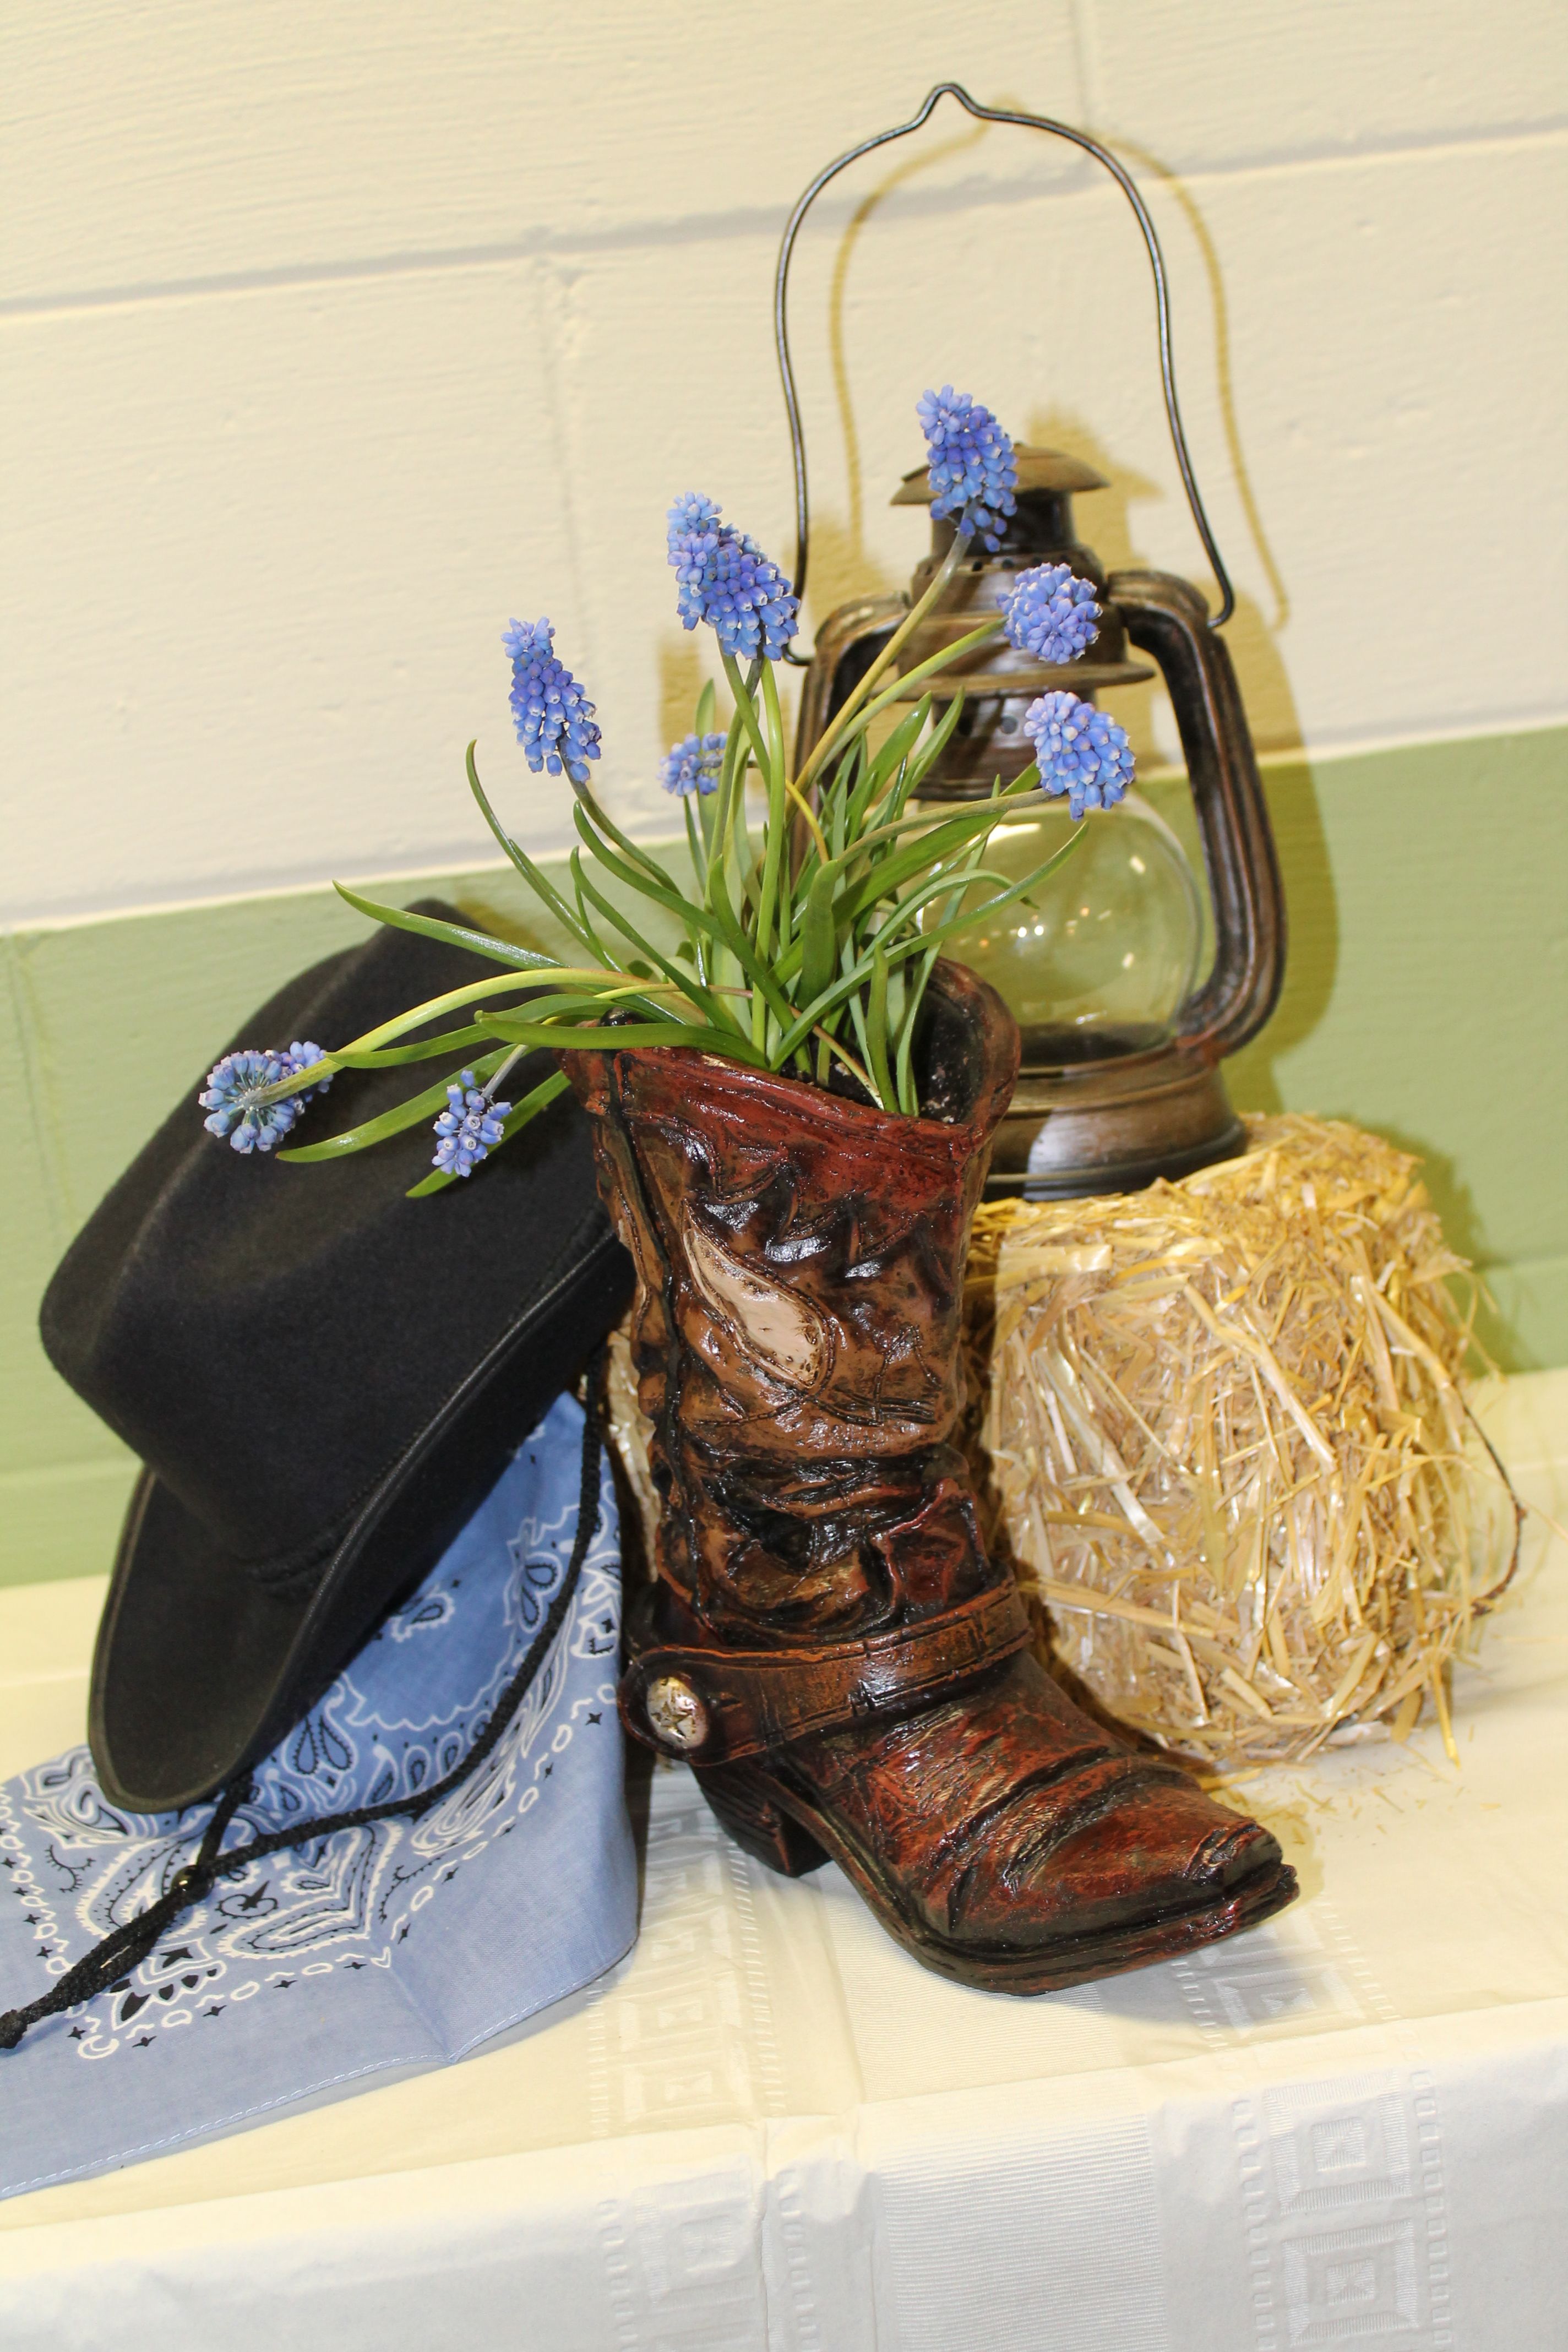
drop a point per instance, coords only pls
(771, 2128)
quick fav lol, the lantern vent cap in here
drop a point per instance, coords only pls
(1038, 469)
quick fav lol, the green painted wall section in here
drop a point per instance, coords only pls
(1427, 997)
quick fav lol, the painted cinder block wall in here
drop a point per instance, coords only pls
(331, 338)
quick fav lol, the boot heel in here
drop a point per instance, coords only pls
(765, 1829)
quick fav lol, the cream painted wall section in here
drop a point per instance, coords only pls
(331, 337)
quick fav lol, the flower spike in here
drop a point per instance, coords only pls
(692, 765)
(554, 718)
(972, 474)
(1051, 613)
(1079, 751)
(727, 581)
(229, 1095)
(468, 1128)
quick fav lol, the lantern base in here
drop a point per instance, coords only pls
(1088, 1115)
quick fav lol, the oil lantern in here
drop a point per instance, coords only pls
(1122, 1038)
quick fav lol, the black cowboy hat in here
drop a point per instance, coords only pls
(323, 1377)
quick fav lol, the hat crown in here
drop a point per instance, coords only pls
(272, 1339)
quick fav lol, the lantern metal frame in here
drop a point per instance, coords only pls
(1088, 1122)
(1129, 188)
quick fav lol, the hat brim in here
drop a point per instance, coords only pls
(201, 1666)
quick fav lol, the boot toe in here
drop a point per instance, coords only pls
(1010, 1824)
(1158, 1852)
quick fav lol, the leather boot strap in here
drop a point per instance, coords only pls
(707, 1705)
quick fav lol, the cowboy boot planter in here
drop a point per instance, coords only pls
(826, 1644)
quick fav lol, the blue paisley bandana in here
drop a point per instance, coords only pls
(400, 1943)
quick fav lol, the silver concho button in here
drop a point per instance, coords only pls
(677, 1714)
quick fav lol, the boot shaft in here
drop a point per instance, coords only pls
(796, 1331)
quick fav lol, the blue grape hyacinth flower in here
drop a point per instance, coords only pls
(229, 1095)
(1051, 613)
(692, 765)
(725, 579)
(1079, 751)
(554, 718)
(972, 474)
(468, 1126)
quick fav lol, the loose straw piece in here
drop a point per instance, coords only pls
(1221, 1432)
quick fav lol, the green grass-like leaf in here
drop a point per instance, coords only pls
(596, 1038)
(456, 935)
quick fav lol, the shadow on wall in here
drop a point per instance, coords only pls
(1462, 1229)
(1312, 938)
(847, 561)
(680, 684)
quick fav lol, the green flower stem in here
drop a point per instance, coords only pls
(773, 717)
(745, 709)
(540, 884)
(716, 825)
(771, 765)
(941, 659)
(697, 848)
(392, 1122)
(900, 639)
(346, 1056)
(775, 888)
(732, 779)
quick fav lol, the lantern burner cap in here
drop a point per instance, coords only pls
(1038, 469)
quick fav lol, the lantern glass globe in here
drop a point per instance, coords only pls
(1099, 960)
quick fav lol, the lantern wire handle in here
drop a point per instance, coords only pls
(1161, 304)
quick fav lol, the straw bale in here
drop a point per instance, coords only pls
(1221, 1434)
